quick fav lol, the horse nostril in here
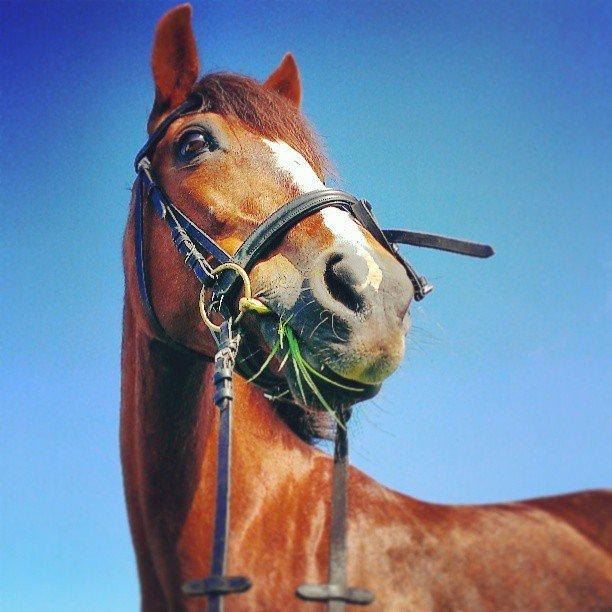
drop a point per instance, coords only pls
(343, 282)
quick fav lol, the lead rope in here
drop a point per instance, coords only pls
(336, 593)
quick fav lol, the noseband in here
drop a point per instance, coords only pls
(204, 257)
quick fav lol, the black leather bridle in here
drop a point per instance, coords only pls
(199, 249)
(202, 255)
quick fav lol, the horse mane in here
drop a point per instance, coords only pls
(265, 112)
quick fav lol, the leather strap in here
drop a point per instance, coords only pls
(191, 242)
(189, 239)
(272, 230)
(336, 592)
(441, 243)
(141, 276)
(268, 233)
(217, 584)
(363, 212)
(195, 103)
(287, 216)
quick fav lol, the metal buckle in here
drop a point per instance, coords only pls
(335, 592)
(216, 585)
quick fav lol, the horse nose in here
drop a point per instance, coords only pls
(364, 283)
(346, 278)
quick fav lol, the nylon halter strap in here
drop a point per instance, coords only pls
(203, 255)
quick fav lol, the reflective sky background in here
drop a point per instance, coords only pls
(490, 121)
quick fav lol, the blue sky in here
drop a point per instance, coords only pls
(490, 121)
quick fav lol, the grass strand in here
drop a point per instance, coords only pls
(299, 366)
(266, 363)
(329, 380)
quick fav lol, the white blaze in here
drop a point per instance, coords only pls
(339, 222)
(294, 164)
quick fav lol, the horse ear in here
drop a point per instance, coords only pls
(285, 80)
(174, 61)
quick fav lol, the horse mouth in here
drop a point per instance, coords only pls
(306, 369)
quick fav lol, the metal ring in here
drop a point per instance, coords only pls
(230, 265)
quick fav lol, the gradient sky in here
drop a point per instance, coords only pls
(489, 121)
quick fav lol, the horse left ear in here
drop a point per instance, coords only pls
(285, 80)
(174, 61)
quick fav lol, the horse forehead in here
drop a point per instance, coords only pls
(292, 163)
(339, 223)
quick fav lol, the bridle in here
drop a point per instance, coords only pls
(221, 274)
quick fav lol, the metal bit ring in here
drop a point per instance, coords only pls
(248, 302)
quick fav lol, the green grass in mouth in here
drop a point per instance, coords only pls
(304, 372)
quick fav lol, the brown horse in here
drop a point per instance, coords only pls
(229, 168)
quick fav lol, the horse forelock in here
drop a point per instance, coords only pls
(265, 112)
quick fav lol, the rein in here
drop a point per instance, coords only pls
(221, 273)
(217, 584)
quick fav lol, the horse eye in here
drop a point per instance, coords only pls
(192, 143)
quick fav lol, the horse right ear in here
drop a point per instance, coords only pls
(174, 61)
(285, 80)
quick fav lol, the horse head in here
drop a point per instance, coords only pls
(341, 297)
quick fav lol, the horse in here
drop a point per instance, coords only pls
(230, 166)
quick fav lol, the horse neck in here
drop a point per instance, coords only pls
(172, 422)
